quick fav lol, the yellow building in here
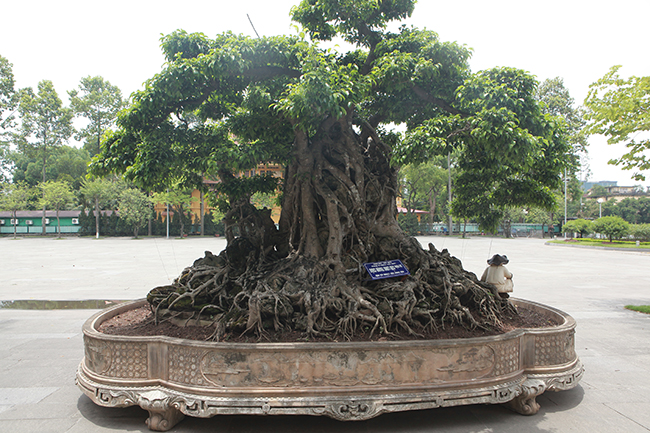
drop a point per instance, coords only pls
(276, 170)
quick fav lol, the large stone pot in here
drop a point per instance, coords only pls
(172, 377)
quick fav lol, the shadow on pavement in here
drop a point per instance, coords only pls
(477, 418)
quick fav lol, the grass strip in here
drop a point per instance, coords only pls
(641, 308)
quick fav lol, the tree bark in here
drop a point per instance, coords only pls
(338, 212)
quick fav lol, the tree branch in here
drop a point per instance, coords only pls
(427, 97)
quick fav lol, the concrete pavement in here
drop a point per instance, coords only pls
(40, 350)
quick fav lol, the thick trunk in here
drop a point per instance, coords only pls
(338, 213)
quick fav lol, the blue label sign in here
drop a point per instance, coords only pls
(388, 269)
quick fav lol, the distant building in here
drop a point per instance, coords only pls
(276, 170)
(586, 186)
(611, 191)
(30, 221)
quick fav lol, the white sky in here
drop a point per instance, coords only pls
(66, 40)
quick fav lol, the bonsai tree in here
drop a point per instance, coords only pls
(580, 225)
(613, 227)
(220, 107)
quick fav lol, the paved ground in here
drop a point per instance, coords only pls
(40, 350)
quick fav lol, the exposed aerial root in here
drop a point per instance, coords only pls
(306, 296)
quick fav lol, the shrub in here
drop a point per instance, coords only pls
(611, 226)
(640, 232)
(581, 226)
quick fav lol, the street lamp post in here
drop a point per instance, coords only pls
(600, 207)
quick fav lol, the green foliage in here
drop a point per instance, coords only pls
(409, 223)
(57, 195)
(354, 20)
(612, 226)
(16, 196)
(620, 109)
(98, 101)
(558, 102)
(510, 153)
(180, 200)
(275, 93)
(135, 209)
(634, 211)
(45, 123)
(7, 91)
(640, 232)
(581, 226)
(64, 162)
(425, 184)
(99, 194)
(7, 105)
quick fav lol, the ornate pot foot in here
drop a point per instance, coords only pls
(525, 403)
(162, 415)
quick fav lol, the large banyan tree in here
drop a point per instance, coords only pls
(222, 106)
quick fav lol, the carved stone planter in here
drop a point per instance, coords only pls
(172, 377)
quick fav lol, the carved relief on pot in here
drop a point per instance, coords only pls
(116, 359)
(98, 355)
(422, 365)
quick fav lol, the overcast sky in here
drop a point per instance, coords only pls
(66, 40)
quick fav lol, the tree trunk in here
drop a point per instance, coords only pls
(202, 214)
(338, 212)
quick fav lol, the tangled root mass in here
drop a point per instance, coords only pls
(239, 293)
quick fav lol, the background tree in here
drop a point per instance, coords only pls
(324, 116)
(613, 227)
(427, 182)
(98, 101)
(7, 105)
(135, 208)
(64, 163)
(56, 195)
(99, 192)
(640, 232)
(14, 197)
(580, 226)
(511, 153)
(539, 216)
(620, 110)
(558, 102)
(45, 124)
(599, 191)
(179, 199)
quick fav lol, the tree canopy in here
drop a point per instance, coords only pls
(620, 109)
(45, 123)
(7, 105)
(98, 101)
(221, 106)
